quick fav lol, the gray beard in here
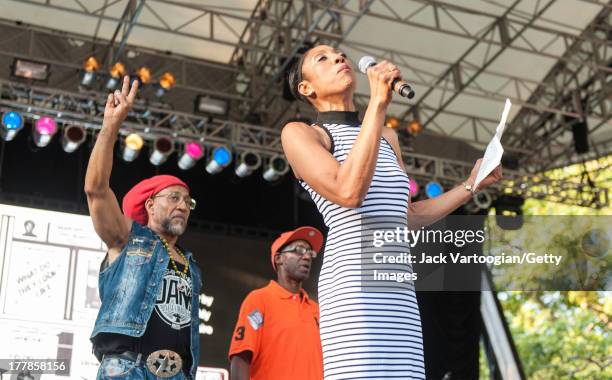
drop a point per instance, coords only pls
(174, 229)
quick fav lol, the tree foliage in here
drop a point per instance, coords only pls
(563, 334)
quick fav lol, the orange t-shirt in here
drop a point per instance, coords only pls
(281, 329)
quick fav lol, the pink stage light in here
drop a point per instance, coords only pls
(44, 129)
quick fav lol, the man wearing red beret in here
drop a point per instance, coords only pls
(277, 333)
(148, 325)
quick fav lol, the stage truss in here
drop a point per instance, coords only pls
(270, 35)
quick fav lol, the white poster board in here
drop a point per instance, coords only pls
(49, 263)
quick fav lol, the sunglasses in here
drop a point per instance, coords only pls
(301, 251)
(175, 198)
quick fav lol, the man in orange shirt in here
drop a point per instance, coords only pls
(277, 333)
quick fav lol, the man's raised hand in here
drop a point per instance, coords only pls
(119, 103)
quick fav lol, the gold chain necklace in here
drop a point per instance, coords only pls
(167, 246)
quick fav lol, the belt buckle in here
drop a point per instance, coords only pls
(164, 363)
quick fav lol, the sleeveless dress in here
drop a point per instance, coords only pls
(368, 331)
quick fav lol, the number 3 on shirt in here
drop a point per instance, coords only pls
(239, 333)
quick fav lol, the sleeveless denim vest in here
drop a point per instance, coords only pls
(129, 286)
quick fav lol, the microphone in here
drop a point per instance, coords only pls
(398, 85)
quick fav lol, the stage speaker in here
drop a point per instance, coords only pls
(580, 131)
(509, 161)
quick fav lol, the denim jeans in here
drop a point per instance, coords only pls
(124, 369)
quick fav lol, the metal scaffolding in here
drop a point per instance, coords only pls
(190, 81)
(70, 108)
(265, 39)
(579, 89)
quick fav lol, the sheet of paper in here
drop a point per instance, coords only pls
(494, 151)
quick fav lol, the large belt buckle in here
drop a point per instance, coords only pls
(164, 363)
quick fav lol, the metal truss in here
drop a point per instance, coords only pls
(86, 109)
(461, 76)
(191, 82)
(454, 74)
(443, 19)
(216, 16)
(274, 27)
(297, 25)
(151, 122)
(502, 33)
(70, 50)
(274, 32)
(128, 19)
(577, 88)
(568, 190)
(455, 80)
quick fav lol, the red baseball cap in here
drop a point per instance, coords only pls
(310, 234)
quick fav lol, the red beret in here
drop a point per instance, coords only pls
(134, 200)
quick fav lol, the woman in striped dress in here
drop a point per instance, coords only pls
(354, 172)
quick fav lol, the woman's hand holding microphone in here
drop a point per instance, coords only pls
(381, 77)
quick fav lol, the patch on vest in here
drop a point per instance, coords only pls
(255, 319)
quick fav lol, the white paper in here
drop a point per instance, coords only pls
(494, 152)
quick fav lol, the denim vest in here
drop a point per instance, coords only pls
(130, 285)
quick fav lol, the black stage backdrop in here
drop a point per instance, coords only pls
(231, 266)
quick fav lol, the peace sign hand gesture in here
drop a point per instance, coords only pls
(119, 104)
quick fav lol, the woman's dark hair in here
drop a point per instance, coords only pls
(294, 77)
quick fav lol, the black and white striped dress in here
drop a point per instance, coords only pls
(367, 332)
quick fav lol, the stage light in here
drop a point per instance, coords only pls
(162, 148)
(433, 189)
(166, 82)
(144, 75)
(221, 157)
(192, 153)
(208, 105)
(73, 137)
(392, 122)
(249, 162)
(509, 211)
(117, 71)
(483, 199)
(12, 122)
(30, 69)
(132, 145)
(413, 188)
(44, 129)
(91, 65)
(596, 243)
(277, 167)
(471, 208)
(414, 127)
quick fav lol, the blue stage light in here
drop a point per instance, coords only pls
(11, 124)
(433, 189)
(221, 157)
